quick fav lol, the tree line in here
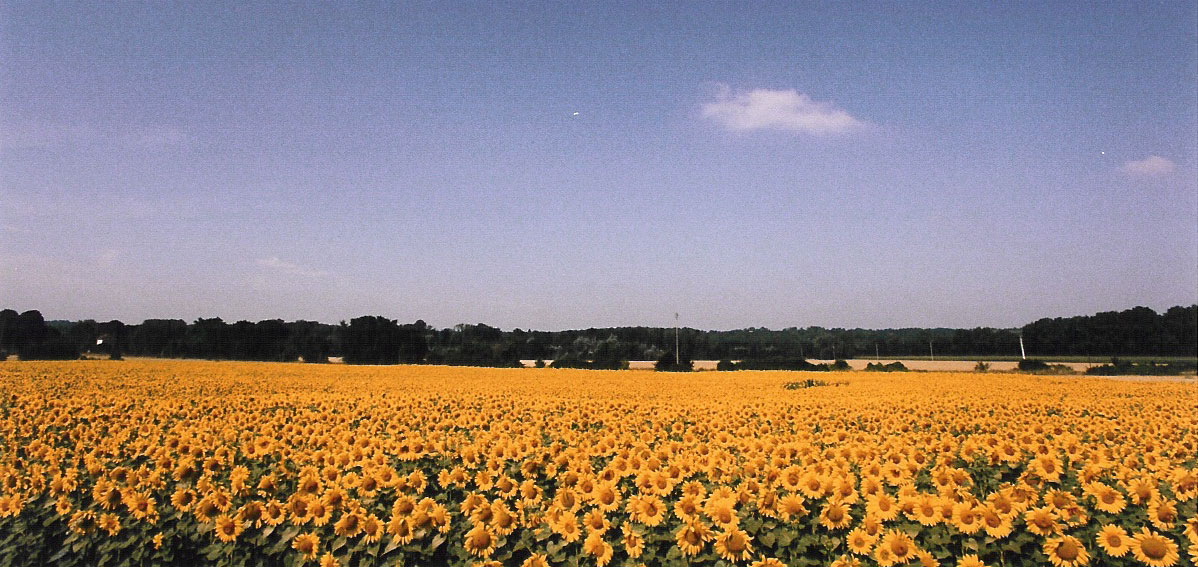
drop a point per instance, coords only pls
(1139, 331)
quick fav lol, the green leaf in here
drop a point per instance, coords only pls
(768, 539)
(785, 537)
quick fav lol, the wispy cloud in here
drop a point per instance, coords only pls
(1151, 166)
(761, 109)
(274, 263)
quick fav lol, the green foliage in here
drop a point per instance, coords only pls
(981, 367)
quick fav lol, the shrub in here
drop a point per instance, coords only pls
(667, 364)
(779, 363)
(840, 364)
(1151, 368)
(725, 365)
(981, 367)
(1032, 365)
(895, 366)
(801, 384)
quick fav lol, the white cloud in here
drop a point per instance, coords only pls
(760, 109)
(1151, 166)
(275, 263)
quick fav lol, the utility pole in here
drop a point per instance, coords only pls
(877, 357)
(677, 360)
(930, 353)
(1022, 352)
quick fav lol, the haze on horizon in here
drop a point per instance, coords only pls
(553, 166)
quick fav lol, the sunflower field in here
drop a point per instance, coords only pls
(132, 463)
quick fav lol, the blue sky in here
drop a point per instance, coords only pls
(550, 166)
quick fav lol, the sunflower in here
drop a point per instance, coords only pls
(297, 508)
(790, 508)
(107, 494)
(647, 510)
(227, 529)
(734, 545)
(596, 521)
(1106, 499)
(966, 518)
(567, 499)
(250, 513)
(767, 503)
(372, 529)
(1153, 549)
(307, 544)
(567, 527)
(400, 528)
(884, 556)
(62, 506)
(319, 512)
(996, 525)
(771, 562)
(536, 560)
(1191, 529)
(882, 506)
(334, 497)
(502, 520)
(83, 522)
(926, 559)
(970, 560)
(812, 485)
(691, 536)
(1066, 551)
(686, 507)
(721, 511)
(899, 544)
(835, 516)
(1142, 490)
(1041, 521)
(1162, 513)
(790, 478)
(595, 546)
(273, 513)
(634, 543)
(480, 541)
(329, 560)
(350, 524)
(205, 510)
(1185, 484)
(860, 542)
(926, 510)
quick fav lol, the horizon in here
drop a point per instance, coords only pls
(541, 166)
(190, 321)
